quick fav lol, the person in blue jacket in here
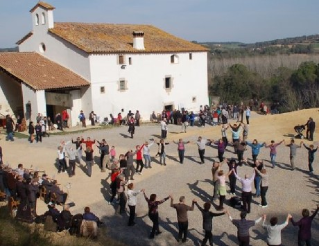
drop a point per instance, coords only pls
(255, 149)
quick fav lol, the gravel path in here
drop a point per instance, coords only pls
(289, 191)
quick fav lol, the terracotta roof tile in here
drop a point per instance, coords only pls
(115, 38)
(43, 5)
(38, 72)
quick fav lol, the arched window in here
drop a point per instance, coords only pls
(36, 19)
(43, 18)
(174, 59)
(42, 47)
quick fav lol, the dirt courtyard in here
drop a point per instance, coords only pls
(289, 191)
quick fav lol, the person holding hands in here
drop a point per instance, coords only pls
(182, 209)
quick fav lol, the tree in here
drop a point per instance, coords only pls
(304, 75)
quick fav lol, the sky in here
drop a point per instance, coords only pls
(246, 21)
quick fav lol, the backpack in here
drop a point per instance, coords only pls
(76, 224)
(235, 202)
(49, 224)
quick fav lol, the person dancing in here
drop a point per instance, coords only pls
(181, 149)
(207, 222)
(246, 190)
(153, 212)
(304, 233)
(273, 151)
(131, 200)
(311, 156)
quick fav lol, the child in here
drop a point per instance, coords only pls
(112, 153)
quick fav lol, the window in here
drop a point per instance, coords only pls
(174, 59)
(102, 89)
(121, 59)
(167, 82)
(122, 85)
(190, 56)
(43, 18)
(42, 48)
(130, 60)
(36, 20)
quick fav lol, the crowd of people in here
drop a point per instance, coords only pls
(23, 188)
(122, 170)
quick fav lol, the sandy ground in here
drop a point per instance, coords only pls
(289, 191)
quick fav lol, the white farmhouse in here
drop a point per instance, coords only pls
(113, 67)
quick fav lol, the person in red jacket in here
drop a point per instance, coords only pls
(88, 142)
(139, 160)
(65, 118)
(115, 173)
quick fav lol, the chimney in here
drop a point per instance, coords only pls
(138, 40)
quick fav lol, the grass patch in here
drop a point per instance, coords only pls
(15, 233)
(20, 135)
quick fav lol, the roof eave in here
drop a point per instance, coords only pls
(43, 5)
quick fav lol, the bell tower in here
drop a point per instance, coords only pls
(42, 16)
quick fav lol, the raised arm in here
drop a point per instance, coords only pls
(146, 198)
(237, 177)
(252, 177)
(192, 207)
(199, 207)
(289, 216)
(164, 200)
(172, 202)
(307, 148)
(258, 220)
(315, 213)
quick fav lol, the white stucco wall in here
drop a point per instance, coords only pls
(56, 49)
(37, 100)
(145, 81)
(76, 97)
(145, 76)
(10, 95)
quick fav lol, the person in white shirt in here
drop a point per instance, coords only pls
(274, 230)
(61, 156)
(131, 201)
(246, 190)
(146, 154)
(201, 144)
(163, 128)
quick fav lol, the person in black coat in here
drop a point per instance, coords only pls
(33, 191)
(60, 195)
(58, 121)
(38, 132)
(31, 132)
(207, 222)
(312, 128)
(9, 128)
(65, 219)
